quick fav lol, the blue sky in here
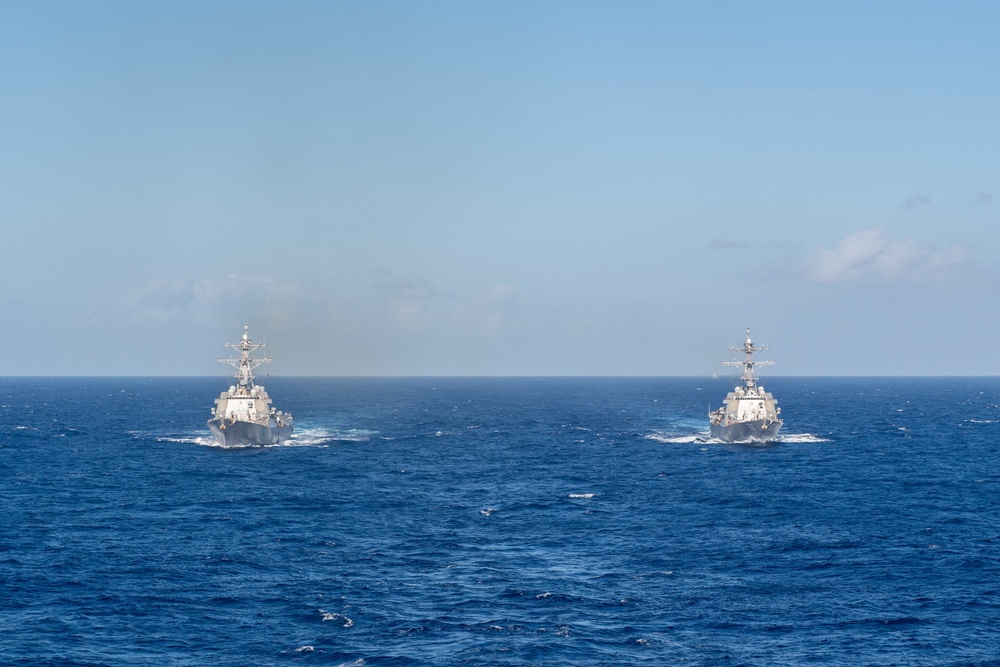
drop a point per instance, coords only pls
(508, 188)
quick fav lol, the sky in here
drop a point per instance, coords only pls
(499, 188)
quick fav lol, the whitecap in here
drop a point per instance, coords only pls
(321, 436)
(189, 439)
(801, 437)
(308, 437)
(488, 511)
(687, 439)
(582, 495)
(328, 616)
(305, 649)
(705, 438)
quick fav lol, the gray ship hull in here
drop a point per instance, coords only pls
(760, 430)
(244, 434)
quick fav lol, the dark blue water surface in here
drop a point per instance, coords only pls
(500, 522)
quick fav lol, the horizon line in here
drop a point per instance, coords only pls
(457, 376)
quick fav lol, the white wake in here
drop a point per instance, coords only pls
(305, 437)
(705, 437)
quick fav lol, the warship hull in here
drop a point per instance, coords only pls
(247, 434)
(760, 430)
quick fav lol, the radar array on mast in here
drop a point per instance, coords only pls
(245, 364)
(748, 350)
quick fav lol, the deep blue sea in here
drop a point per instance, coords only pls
(498, 521)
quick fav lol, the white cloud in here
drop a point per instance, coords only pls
(211, 302)
(158, 303)
(410, 303)
(391, 304)
(488, 312)
(870, 256)
(417, 304)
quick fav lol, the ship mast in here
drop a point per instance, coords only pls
(748, 350)
(245, 364)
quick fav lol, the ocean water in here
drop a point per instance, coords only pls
(553, 521)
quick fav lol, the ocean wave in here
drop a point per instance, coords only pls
(705, 438)
(205, 441)
(200, 440)
(322, 436)
(685, 439)
(330, 616)
(307, 437)
(801, 437)
(477, 547)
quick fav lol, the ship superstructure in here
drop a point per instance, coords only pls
(243, 415)
(750, 413)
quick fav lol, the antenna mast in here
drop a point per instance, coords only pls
(245, 364)
(748, 350)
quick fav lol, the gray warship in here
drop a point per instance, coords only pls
(243, 415)
(750, 413)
